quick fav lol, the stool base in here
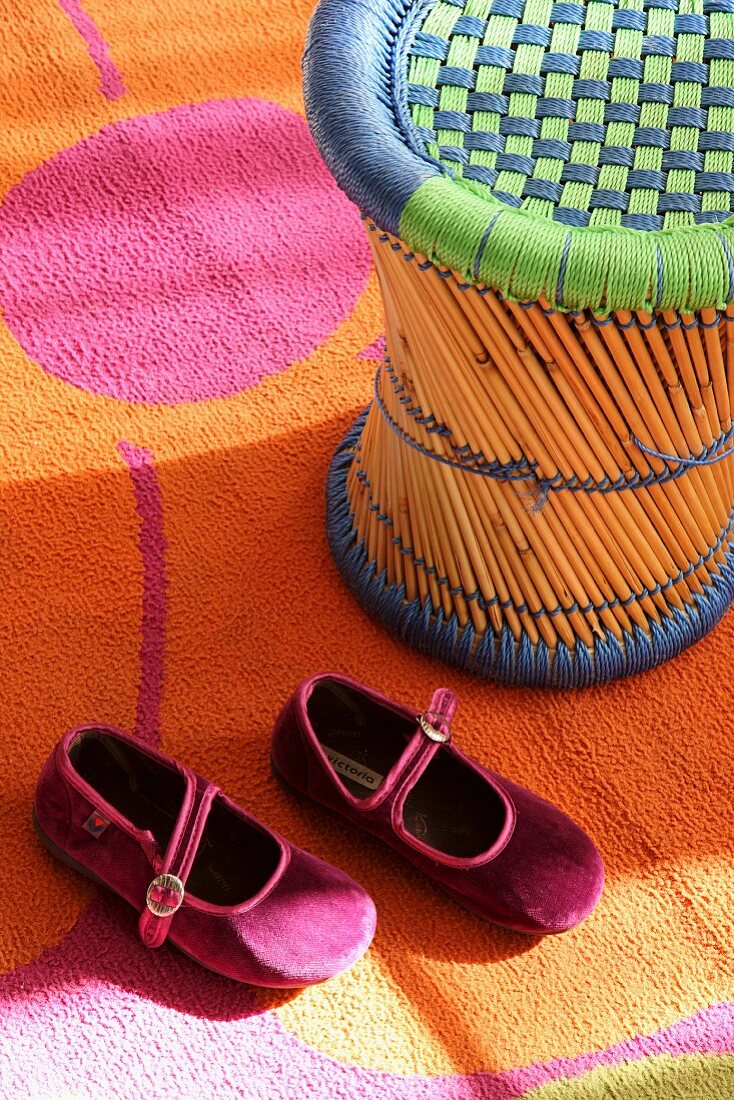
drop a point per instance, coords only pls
(501, 657)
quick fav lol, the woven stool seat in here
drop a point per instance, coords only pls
(541, 490)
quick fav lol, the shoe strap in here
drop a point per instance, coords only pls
(432, 732)
(435, 724)
(436, 721)
(166, 892)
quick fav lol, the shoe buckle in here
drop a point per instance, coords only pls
(430, 730)
(165, 895)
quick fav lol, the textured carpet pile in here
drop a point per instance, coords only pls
(189, 322)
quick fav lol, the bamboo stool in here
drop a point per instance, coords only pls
(541, 490)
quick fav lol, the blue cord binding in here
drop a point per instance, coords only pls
(708, 457)
(523, 469)
(500, 657)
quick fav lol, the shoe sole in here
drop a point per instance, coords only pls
(284, 782)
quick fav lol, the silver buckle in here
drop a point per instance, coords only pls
(430, 730)
(165, 882)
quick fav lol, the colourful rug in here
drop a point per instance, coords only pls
(189, 325)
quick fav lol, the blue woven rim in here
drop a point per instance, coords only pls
(500, 658)
(347, 74)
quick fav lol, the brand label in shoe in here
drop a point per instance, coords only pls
(353, 770)
(96, 825)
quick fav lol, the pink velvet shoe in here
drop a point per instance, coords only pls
(501, 851)
(224, 888)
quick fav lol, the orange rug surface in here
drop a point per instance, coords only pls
(189, 325)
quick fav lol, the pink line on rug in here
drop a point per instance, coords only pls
(111, 83)
(709, 1031)
(152, 542)
(376, 349)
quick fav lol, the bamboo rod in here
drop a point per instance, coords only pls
(563, 395)
(673, 499)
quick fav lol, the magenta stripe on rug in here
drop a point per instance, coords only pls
(152, 542)
(110, 78)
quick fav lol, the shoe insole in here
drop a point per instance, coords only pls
(362, 739)
(453, 809)
(144, 790)
(234, 860)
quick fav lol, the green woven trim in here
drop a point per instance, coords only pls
(603, 268)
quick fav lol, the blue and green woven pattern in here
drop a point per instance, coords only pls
(587, 114)
(579, 153)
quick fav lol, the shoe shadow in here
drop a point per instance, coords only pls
(73, 618)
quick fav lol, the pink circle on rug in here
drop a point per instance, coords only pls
(180, 256)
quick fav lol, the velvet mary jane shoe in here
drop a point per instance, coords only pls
(500, 850)
(224, 888)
